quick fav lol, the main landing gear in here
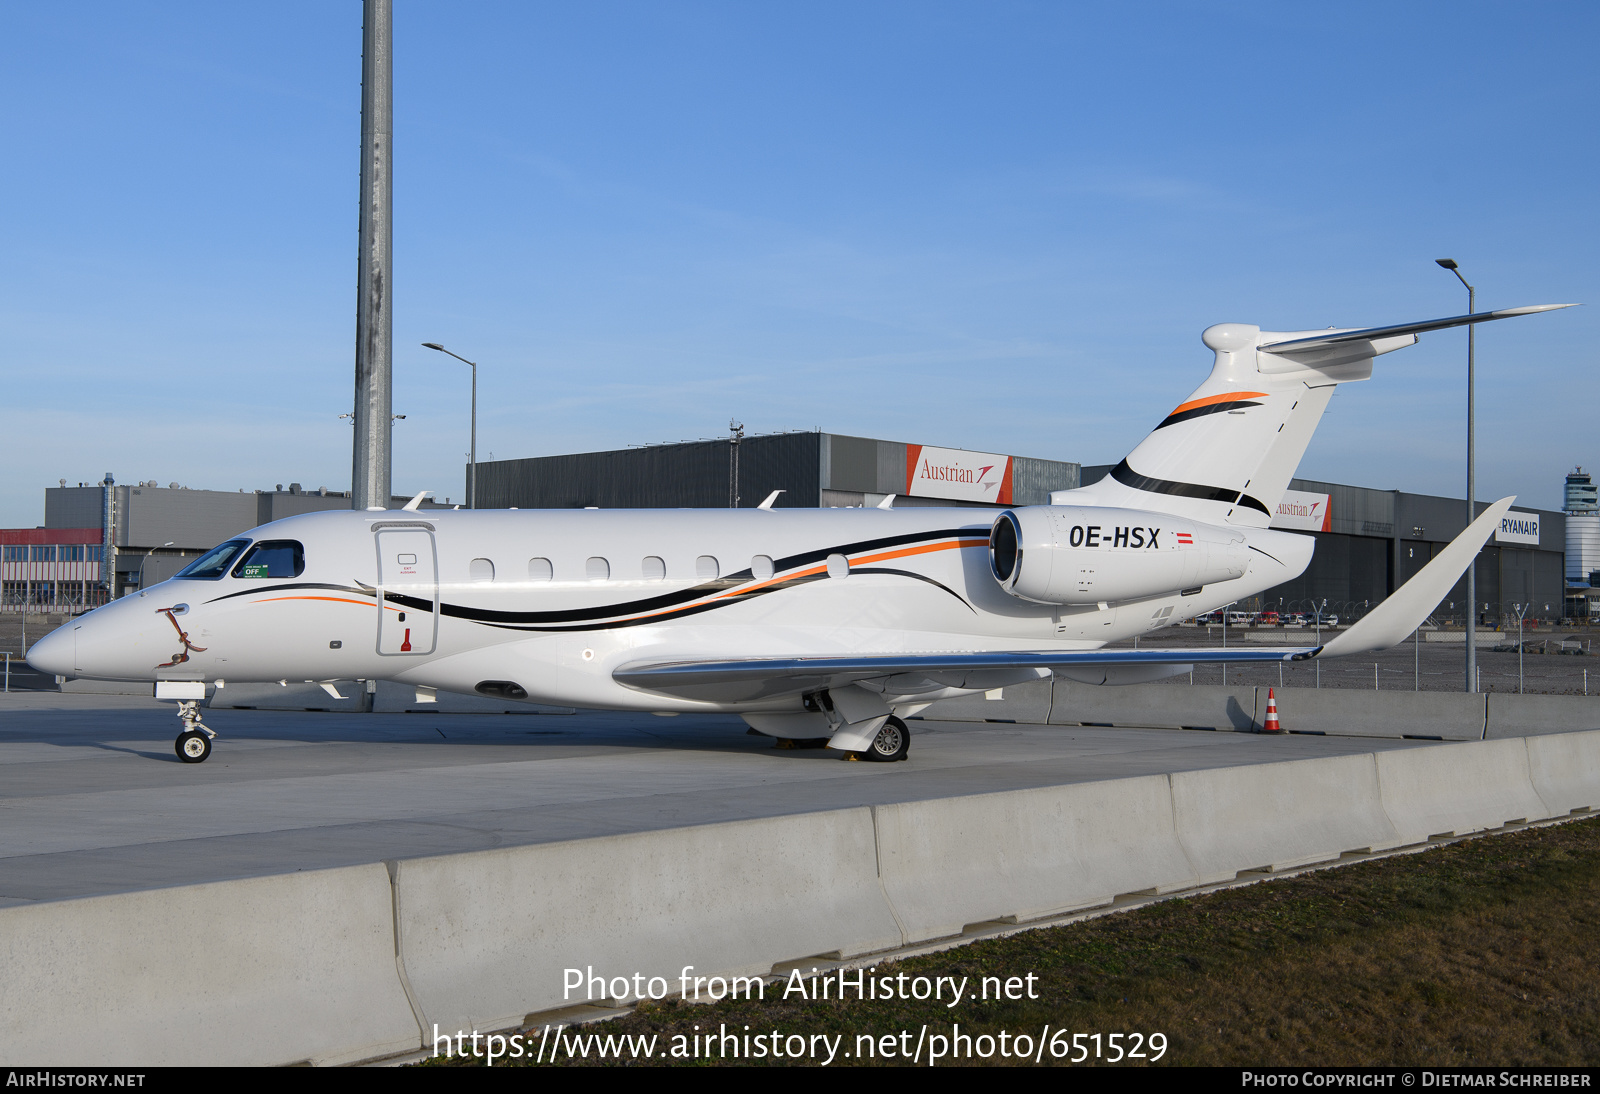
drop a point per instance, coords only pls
(892, 743)
(194, 743)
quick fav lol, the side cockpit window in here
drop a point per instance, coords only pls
(214, 563)
(277, 558)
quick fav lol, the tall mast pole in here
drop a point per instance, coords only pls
(371, 475)
(1472, 489)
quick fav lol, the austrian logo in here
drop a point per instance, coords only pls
(958, 475)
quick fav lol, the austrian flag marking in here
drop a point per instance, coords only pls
(1185, 539)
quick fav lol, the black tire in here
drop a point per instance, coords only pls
(892, 743)
(192, 747)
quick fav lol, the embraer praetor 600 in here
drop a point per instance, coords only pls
(828, 624)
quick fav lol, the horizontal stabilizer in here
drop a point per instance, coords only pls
(1325, 341)
(1404, 611)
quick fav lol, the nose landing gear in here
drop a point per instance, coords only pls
(194, 743)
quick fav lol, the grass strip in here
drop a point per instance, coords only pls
(1477, 953)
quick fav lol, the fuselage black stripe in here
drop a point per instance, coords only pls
(1127, 476)
(651, 606)
(295, 585)
(1202, 411)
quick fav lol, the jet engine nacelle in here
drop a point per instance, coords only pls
(1076, 554)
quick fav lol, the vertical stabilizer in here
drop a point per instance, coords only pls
(1225, 454)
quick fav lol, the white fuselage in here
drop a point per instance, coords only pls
(553, 601)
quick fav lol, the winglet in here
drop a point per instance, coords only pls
(888, 502)
(411, 506)
(1389, 623)
(772, 497)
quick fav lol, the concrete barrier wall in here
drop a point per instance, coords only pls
(1564, 769)
(1529, 715)
(486, 937)
(1162, 706)
(1277, 816)
(1026, 854)
(292, 696)
(1460, 788)
(1449, 716)
(74, 686)
(1028, 703)
(391, 698)
(270, 970)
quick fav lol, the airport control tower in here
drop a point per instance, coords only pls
(1582, 507)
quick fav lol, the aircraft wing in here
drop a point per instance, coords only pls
(761, 678)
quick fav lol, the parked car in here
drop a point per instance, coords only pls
(1267, 619)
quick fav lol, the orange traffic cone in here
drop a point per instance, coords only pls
(1272, 725)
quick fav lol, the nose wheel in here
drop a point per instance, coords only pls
(193, 747)
(194, 743)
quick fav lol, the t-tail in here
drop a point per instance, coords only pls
(1225, 455)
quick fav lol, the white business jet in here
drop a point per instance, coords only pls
(825, 625)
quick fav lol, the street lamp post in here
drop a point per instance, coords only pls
(1472, 507)
(472, 466)
(146, 558)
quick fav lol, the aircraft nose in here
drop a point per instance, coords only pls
(54, 653)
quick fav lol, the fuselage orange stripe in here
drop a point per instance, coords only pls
(1227, 397)
(333, 599)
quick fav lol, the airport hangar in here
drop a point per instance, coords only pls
(148, 532)
(1369, 542)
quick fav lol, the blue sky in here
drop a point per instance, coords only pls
(990, 226)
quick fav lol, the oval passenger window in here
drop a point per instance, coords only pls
(539, 569)
(838, 566)
(705, 567)
(655, 569)
(761, 567)
(480, 569)
(597, 569)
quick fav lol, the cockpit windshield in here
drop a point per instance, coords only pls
(214, 563)
(273, 558)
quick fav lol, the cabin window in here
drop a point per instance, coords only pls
(539, 569)
(480, 569)
(597, 569)
(655, 569)
(838, 566)
(761, 567)
(706, 567)
(276, 558)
